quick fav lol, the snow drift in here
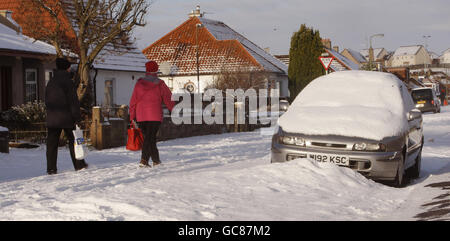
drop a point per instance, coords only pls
(364, 104)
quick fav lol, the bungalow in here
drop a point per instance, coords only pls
(114, 72)
(196, 52)
(25, 65)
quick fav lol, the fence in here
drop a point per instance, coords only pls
(108, 125)
(37, 133)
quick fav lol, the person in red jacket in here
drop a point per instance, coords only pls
(145, 107)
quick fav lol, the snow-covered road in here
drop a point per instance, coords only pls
(216, 177)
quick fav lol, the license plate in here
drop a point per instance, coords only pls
(335, 159)
(421, 102)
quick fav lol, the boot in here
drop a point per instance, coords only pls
(156, 163)
(83, 165)
(144, 163)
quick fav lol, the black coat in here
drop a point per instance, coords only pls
(63, 107)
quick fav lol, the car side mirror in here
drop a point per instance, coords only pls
(284, 105)
(414, 114)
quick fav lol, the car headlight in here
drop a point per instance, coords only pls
(369, 147)
(290, 140)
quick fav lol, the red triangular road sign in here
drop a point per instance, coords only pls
(326, 61)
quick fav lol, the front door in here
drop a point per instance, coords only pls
(6, 88)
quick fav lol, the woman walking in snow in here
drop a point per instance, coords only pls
(145, 108)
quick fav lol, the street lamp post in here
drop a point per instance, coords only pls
(199, 25)
(371, 49)
(426, 37)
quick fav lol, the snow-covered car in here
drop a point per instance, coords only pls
(426, 100)
(363, 120)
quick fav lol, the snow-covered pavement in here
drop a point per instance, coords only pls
(216, 177)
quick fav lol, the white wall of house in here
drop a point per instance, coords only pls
(445, 58)
(178, 83)
(421, 57)
(122, 85)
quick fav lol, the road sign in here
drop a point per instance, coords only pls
(326, 61)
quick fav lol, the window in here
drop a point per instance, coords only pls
(31, 92)
(48, 76)
(109, 92)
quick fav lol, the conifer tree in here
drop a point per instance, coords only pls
(304, 66)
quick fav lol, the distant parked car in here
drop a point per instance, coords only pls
(426, 100)
(363, 120)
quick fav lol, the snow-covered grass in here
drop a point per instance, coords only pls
(216, 177)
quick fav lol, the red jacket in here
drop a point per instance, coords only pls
(148, 95)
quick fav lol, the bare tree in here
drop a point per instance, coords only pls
(33, 17)
(240, 79)
(96, 25)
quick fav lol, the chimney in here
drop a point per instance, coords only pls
(196, 12)
(326, 43)
(6, 13)
(7, 20)
(267, 50)
(336, 48)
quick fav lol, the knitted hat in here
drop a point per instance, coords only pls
(151, 67)
(62, 64)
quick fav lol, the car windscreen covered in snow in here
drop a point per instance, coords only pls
(364, 104)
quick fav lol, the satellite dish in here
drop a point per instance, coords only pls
(164, 67)
(167, 68)
(173, 69)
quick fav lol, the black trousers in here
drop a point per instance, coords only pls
(149, 148)
(52, 148)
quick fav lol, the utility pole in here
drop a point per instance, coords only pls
(199, 25)
(426, 37)
(371, 57)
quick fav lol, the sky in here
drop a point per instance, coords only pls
(348, 23)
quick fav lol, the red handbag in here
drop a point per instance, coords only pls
(135, 138)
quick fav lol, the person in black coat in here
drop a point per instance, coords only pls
(63, 113)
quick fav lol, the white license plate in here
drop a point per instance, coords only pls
(335, 159)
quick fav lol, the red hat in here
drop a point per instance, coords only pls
(151, 67)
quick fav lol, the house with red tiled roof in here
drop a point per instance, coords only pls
(198, 50)
(25, 65)
(112, 73)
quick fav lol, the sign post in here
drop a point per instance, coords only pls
(326, 62)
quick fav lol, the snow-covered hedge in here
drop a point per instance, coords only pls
(22, 115)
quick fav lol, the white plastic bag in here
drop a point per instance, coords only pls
(81, 150)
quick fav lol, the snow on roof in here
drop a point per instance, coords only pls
(127, 59)
(357, 55)
(220, 48)
(12, 40)
(407, 50)
(376, 53)
(364, 104)
(342, 61)
(222, 32)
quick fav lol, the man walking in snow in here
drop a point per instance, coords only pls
(63, 112)
(145, 106)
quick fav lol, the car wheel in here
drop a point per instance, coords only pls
(414, 171)
(399, 178)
